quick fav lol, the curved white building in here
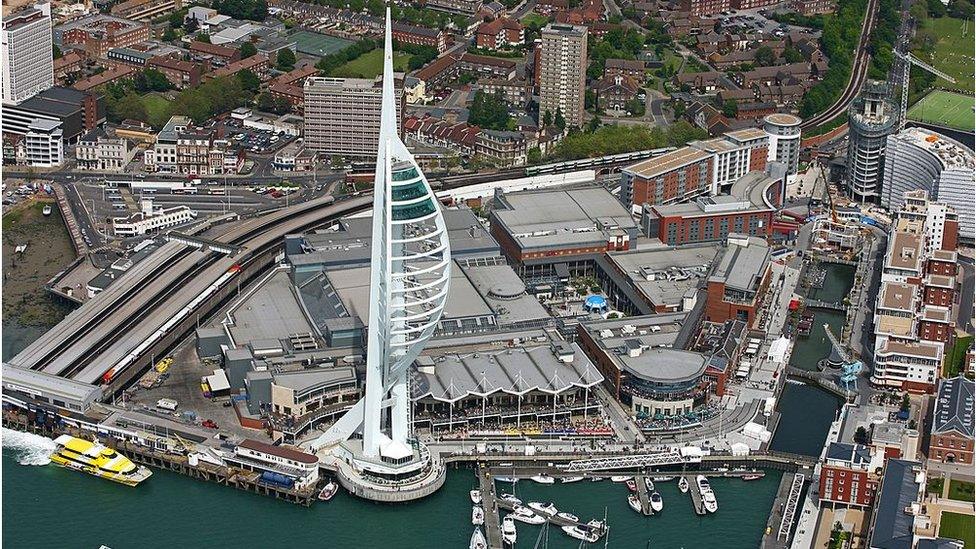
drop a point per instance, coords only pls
(784, 140)
(409, 280)
(920, 159)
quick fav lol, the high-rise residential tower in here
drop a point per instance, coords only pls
(562, 80)
(26, 53)
(871, 117)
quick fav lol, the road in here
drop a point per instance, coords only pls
(859, 73)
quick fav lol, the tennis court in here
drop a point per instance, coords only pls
(313, 43)
(945, 109)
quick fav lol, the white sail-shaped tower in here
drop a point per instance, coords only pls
(410, 273)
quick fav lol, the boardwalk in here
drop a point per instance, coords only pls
(696, 496)
(493, 522)
(644, 495)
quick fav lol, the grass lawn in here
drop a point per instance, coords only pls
(533, 17)
(370, 65)
(958, 526)
(945, 109)
(157, 107)
(960, 490)
(954, 50)
(954, 358)
(934, 486)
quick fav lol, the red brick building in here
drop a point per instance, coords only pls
(738, 282)
(500, 33)
(96, 34)
(258, 64)
(225, 53)
(180, 73)
(951, 440)
(813, 7)
(848, 477)
(704, 8)
(420, 36)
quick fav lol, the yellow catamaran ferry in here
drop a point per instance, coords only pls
(95, 459)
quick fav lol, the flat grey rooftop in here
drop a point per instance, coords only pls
(271, 311)
(672, 271)
(741, 267)
(504, 292)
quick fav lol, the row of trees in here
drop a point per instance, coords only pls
(419, 55)
(614, 139)
(616, 44)
(124, 99)
(255, 10)
(406, 14)
(333, 61)
(883, 37)
(839, 42)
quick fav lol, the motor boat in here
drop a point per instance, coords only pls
(475, 496)
(649, 484)
(596, 479)
(634, 503)
(328, 491)
(663, 479)
(509, 535)
(478, 540)
(708, 498)
(620, 479)
(567, 480)
(581, 533)
(596, 524)
(547, 508)
(568, 516)
(511, 499)
(513, 480)
(657, 502)
(683, 485)
(753, 476)
(477, 515)
(703, 483)
(631, 485)
(543, 479)
(523, 514)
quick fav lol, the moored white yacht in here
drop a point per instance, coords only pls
(477, 515)
(568, 516)
(543, 478)
(657, 502)
(620, 478)
(509, 534)
(649, 484)
(683, 485)
(524, 514)
(708, 498)
(328, 491)
(581, 533)
(511, 499)
(475, 496)
(567, 480)
(663, 479)
(634, 503)
(545, 508)
(478, 540)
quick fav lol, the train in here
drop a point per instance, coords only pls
(585, 163)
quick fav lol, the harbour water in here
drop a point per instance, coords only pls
(170, 510)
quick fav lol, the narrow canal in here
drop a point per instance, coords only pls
(807, 411)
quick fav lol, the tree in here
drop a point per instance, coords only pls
(547, 119)
(906, 402)
(57, 51)
(594, 124)
(534, 155)
(249, 81)
(861, 435)
(935, 8)
(590, 100)
(635, 107)
(792, 55)
(169, 35)
(203, 37)
(247, 49)
(559, 120)
(156, 81)
(285, 60)
(765, 56)
(131, 107)
(255, 10)
(176, 19)
(489, 111)
(730, 108)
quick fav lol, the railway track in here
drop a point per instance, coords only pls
(859, 72)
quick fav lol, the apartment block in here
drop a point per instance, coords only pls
(99, 151)
(342, 115)
(562, 72)
(26, 53)
(146, 10)
(181, 148)
(848, 475)
(99, 33)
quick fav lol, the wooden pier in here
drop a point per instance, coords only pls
(696, 496)
(642, 493)
(489, 500)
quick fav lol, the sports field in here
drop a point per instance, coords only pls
(945, 109)
(370, 65)
(313, 43)
(954, 50)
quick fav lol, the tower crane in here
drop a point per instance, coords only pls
(907, 60)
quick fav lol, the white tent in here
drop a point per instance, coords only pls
(778, 349)
(740, 449)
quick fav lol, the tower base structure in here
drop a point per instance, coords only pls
(402, 474)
